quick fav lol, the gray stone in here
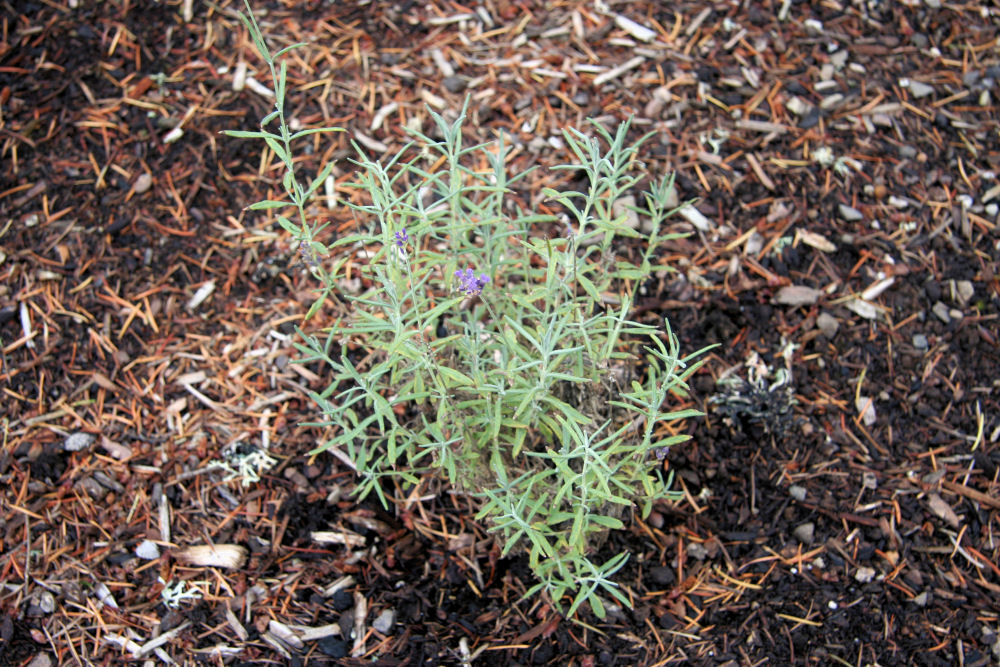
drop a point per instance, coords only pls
(385, 621)
(78, 441)
(454, 84)
(41, 603)
(920, 342)
(864, 574)
(964, 291)
(971, 78)
(797, 106)
(805, 533)
(143, 183)
(624, 208)
(850, 214)
(797, 492)
(920, 89)
(941, 312)
(147, 550)
(538, 144)
(828, 324)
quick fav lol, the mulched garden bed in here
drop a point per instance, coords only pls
(844, 159)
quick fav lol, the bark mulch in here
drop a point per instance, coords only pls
(840, 496)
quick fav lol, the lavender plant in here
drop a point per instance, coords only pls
(481, 348)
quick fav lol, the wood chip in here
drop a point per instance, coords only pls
(942, 510)
(618, 71)
(640, 32)
(231, 556)
(797, 295)
(815, 240)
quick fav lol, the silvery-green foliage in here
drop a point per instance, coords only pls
(483, 348)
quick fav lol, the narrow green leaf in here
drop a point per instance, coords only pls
(318, 181)
(278, 149)
(458, 378)
(279, 94)
(287, 49)
(288, 181)
(588, 287)
(269, 117)
(249, 134)
(315, 130)
(607, 521)
(289, 226)
(266, 204)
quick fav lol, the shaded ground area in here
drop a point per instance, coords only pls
(844, 156)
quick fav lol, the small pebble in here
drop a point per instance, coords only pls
(964, 291)
(850, 214)
(971, 78)
(662, 576)
(342, 600)
(920, 342)
(454, 84)
(864, 574)
(920, 89)
(385, 621)
(42, 603)
(333, 647)
(797, 492)
(147, 550)
(828, 324)
(941, 312)
(143, 183)
(922, 599)
(805, 533)
(810, 119)
(538, 145)
(797, 106)
(78, 441)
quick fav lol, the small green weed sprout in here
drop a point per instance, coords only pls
(480, 348)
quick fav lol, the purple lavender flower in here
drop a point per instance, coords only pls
(470, 283)
(401, 238)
